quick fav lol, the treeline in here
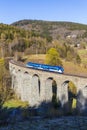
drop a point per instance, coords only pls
(49, 24)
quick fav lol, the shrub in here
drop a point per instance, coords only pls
(15, 103)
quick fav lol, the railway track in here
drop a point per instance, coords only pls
(23, 65)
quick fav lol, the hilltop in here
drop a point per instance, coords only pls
(55, 30)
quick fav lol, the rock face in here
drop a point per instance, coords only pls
(35, 86)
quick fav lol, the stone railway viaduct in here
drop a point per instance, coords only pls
(35, 86)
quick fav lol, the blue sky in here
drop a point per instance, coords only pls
(49, 10)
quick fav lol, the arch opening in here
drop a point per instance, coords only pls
(35, 76)
(51, 92)
(25, 86)
(36, 89)
(55, 100)
(69, 95)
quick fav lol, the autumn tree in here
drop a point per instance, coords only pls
(5, 84)
(52, 57)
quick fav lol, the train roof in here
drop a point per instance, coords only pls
(33, 63)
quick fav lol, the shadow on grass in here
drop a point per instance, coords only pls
(44, 110)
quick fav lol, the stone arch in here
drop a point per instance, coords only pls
(36, 89)
(82, 100)
(55, 96)
(85, 97)
(26, 86)
(54, 88)
(48, 89)
(51, 89)
(82, 97)
(84, 91)
(69, 92)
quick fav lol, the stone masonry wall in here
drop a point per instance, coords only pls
(35, 86)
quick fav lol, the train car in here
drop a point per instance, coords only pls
(58, 69)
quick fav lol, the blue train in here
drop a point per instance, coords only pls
(58, 69)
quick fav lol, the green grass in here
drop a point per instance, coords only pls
(83, 55)
(72, 68)
(39, 58)
(82, 51)
(15, 103)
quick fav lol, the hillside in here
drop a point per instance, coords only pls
(55, 30)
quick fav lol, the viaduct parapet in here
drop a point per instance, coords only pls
(35, 86)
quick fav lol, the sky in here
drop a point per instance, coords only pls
(48, 10)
